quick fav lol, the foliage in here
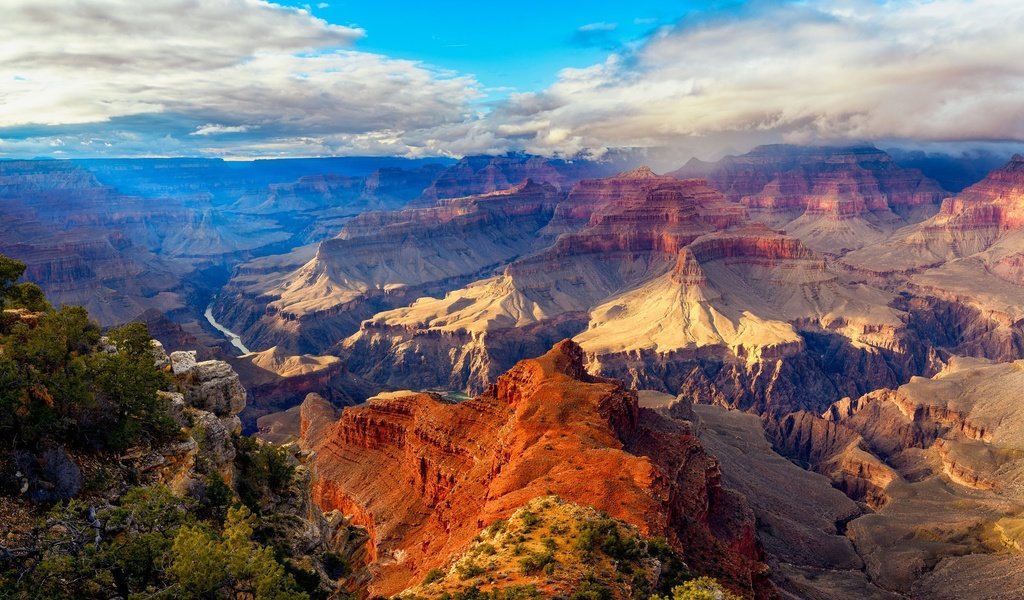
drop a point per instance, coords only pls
(111, 551)
(432, 576)
(19, 295)
(468, 570)
(228, 564)
(262, 470)
(534, 562)
(701, 588)
(606, 536)
(589, 590)
(55, 386)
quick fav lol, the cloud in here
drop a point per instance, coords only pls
(249, 78)
(213, 129)
(595, 35)
(269, 75)
(599, 27)
(942, 70)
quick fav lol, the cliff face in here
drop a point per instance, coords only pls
(962, 267)
(834, 199)
(665, 276)
(936, 457)
(385, 259)
(424, 476)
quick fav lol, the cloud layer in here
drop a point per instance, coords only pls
(217, 75)
(941, 70)
(247, 77)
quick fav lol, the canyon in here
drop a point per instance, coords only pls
(799, 366)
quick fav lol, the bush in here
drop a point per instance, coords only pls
(433, 575)
(701, 588)
(262, 470)
(604, 535)
(535, 561)
(589, 590)
(468, 570)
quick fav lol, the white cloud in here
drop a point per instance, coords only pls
(601, 26)
(246, 77)
(213, 129)
(205, 67)
(811, 71)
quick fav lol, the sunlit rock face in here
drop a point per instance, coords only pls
(383, 259)
(668, 285)
(424, 476)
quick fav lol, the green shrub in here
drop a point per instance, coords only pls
(468, 570)
(534, 562)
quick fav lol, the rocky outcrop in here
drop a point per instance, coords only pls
(206, 405)
(385, 259)
(802, 519)
(780, 177)
(423, 476)
(834, 199)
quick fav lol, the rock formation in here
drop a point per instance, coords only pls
(937, 459)
(668, 286)
(385, 259)
(834, 199)
(474, 175)
(424, 476)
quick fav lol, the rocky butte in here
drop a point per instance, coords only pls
(425, 476)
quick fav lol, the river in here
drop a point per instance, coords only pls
(233, 337)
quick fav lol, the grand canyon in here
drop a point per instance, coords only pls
(735, 311)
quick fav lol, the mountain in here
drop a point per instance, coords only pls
(966, 262)
(474, 175)
(834, 199)
(424, 476)
(668, 285)
(124, 236)
(381, 259)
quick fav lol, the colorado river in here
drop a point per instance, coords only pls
(233, 337)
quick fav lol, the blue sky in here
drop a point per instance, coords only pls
(521, 45)
(253, 78)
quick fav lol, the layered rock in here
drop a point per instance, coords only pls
(276, 380)
(423, 476)
(802, 519)
(668, 286)
(385, 259)
(963, 266)
(478, 331)
(937, 458)
(834, 199)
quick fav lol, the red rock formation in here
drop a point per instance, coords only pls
(842, 181)
(423, 476)
(994, 202)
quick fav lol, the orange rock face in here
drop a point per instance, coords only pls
(424, 476)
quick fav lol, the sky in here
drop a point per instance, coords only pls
(250, 78)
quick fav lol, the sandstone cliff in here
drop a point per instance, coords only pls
(423, 476)
(834, 199)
